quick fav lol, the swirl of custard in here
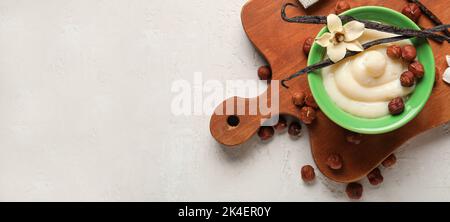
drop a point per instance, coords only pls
(364, 84)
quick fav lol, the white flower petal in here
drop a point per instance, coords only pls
(353, 30)
(354, 46)
(448, 59)
(334, 23)
(446, 76)
(325, 39)
(336, 52)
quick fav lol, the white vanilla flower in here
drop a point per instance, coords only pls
(446, 76)
(341, 38)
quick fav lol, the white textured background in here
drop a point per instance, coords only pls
(85, 111)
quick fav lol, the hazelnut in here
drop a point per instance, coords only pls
(307, 45)
(334, 161)
(394, 51)
(375, 177)
(266, 132)
(390, 161)
(298, 98)
(295, 129)
(354, 138)
(409, 53)
(282, 124)
(307, 115)
(396, 106)
(264, 73)
(407, 79)
(341, 6)
(417, 69)
(308, 174)
(310, 101)
(354, 191)
(412, 11)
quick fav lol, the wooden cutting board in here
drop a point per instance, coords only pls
(281, 44)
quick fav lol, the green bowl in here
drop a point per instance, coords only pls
(413, 105)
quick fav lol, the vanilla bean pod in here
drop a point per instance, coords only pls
(430, 15)
(368, 24)
(328, 62)
(438, 28)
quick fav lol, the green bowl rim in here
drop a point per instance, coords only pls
(395, 122)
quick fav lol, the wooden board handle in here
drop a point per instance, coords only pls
(231, 126)
(237, 119)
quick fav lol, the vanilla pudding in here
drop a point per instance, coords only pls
(363, 85)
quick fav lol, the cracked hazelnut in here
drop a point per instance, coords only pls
(375, 177)
(264, 73)
(390, 161)
(407, 79)
(266, 132)
(298, 98)
(282, 124)
(417, 69)
(295, 129)
(307, 45)
(396, 106)
(307, 115)
(334, 161)
(409, 53)
(412, 11)
(354, 191)
(354, 138)
(341, 6)
(394, 51)
(310, 101)
(308, 174)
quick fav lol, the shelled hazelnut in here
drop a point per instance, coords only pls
(266, 132)
(396, 106)
(390, 161)
(354, 191)
(412, 11)
(341, 6)
(407, 79)
(409, 53)
(334, 162)
(298, 98)
(417, 69)
(308, 174)
(394, 51)
(307, 115)
(295, 129)
(307, 45)
(375, 177)
(281, 125)
(264, 73)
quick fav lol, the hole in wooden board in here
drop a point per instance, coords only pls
(233, 121)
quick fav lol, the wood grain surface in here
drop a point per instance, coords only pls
(281, 44)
